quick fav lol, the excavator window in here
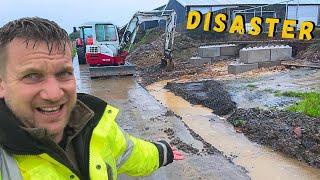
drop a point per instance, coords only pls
(85, 33)
(106, 32)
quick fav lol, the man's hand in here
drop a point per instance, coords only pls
(176, 154)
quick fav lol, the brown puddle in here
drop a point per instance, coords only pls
(260, 161)
(112, 88)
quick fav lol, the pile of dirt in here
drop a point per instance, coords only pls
(294, 134)
(148, 53)
(311, 54)
(210, 93)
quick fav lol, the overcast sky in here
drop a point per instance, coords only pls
(70, 13)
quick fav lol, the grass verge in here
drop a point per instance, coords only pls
(309, 104)
(73, 52)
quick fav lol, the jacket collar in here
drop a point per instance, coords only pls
(12, 137)
(16, 139)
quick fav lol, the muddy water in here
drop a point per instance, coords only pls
(261, 162)
(115, 88)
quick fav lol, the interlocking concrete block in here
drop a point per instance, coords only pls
(281, 53)
(199, 61)
(236, 68)
(255, 55)
(217, 50)
(228, 50)
(209, 51)
(268, 64)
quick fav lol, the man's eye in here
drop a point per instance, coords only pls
(32, 77)
(65, 74)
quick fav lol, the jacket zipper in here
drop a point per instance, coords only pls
(86, 159)
(109, 172)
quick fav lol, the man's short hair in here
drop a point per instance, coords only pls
(32, 29)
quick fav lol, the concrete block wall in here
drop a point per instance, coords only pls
(199, 61)
(267, 53)
(259, 57)
(208, 51)
(280, 53)
(236, 68)
(254, 55)
(228, 50)
(217, 50)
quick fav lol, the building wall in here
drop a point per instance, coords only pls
(273, 11)
(181, 13)
(304, 13)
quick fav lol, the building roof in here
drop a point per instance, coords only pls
(161, 7)
(242, 2)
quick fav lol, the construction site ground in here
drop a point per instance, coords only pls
(249, 96)
(195, 108)
(143, 116)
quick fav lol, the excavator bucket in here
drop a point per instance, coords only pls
(167, 64)
(170, 65)
(127, 69)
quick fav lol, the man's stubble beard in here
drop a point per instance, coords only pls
(31, 123)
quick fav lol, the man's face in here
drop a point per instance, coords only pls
(39, 88)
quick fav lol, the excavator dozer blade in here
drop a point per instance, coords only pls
(104, 71)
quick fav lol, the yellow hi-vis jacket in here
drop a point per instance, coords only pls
(111, 152)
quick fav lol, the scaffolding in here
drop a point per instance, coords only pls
(261, 9)
(255, 11)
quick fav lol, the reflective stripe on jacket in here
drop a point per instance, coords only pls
(111, 151)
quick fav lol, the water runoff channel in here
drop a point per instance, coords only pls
(260, 161)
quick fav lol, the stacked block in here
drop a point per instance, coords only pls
(213, 52)
(260, 57)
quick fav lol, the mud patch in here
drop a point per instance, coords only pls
(207, 147)
(209, 93)
(178, 143)
(294, 134)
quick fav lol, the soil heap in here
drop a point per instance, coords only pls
(311, 54)
(294, 134)
(148, 52)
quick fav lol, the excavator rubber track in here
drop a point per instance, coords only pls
(128, 69)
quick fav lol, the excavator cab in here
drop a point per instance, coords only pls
(99, 44)
(85, 34)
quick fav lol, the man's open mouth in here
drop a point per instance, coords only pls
(50, 109)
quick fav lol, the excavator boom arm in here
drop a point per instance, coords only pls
(132, 28)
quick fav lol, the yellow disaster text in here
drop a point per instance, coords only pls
(289, 26)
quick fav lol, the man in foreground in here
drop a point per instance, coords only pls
(47, 130)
